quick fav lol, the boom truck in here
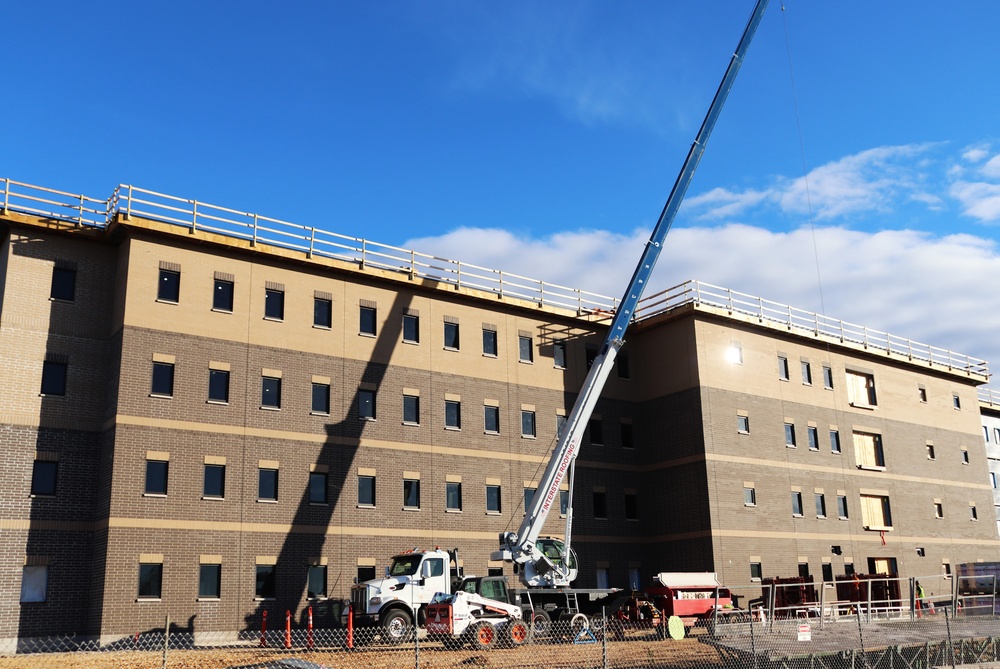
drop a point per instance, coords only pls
(546, 566)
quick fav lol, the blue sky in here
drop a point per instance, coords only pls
(855, 169)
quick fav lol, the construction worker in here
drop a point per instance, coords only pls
(920, 596)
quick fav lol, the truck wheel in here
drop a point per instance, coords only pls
(578, 623)
(541, 622)
(397, 626)
(483, 635)
(516, 633)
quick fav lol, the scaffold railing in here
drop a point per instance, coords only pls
(989, 396)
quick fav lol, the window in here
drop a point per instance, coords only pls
(265, 585)
(973, 515)
(596, 429)
(163, 379)
(938, 510)
(743, 424)
(848, 568)
(43, 478)
(749, 496)
(631, 506)
(274, 304)
(218, 385)
(270, 392)
(790, 435)
(563, 503)
(986, 434)
(317, 488)
(168, 288)
(53, 377)
(215, 481)
(861, 389)
(366, 404)
(842, 507)
(316, 581)
(453, 496)
(489, 342)
(525, 351)
(210, 581)
(527, 423)
(946, 569)
(827, 572)
(493, 500)
(804, 570)
(993, 480)
(813, 434)
(366, 490)
(834, 441)
(621, 362)
(451, 340)
(491, 419)
(559, 355)
(453, 414)
(560, 423)
(222, 295)
(965, 456)
(156, 477)
(956, 401)
(922, 394)
(150, 580)
(411, 493)
(996, 435)
(930, 452)
(63, 284)
(411, 328)
(796, 504)
(756, 572)
(591, 353)
(807, 376)
(626, 434)
(820, 505)
(366, 574)
(34, 583)
(782, 368)
(827, 377)
(321, 398)
(367, 326)
(267, 484)
(322, 312)
(529, 496)
(875, 513)
(868, 450)
(411, 409)
(603, 578)
(600, 504)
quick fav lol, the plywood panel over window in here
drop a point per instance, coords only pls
(868, 450)
(861, 389)
(875, 512)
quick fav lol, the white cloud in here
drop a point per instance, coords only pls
(992, 167)
(979, 199)
(915, 285)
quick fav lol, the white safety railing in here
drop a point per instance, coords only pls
(989, 396)
(48, 203)
(802, 322)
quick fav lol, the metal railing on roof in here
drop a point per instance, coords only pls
(989, 396)
(807, 323)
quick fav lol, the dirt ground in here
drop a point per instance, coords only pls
(631, 654)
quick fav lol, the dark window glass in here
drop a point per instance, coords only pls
(267, 484)
(222, 295)
(827, 572)
(274, 304)
(596, 428)
(265, 587)
(820, 505)
(210, 581)
(493, 499)
(43, 477)
(453, 496)
(163, 378)
(316, 582)
(366, 404)
(150, 580)
(453, 414)
(169, 287)
(411, 409)
(156, 477)
(366, 574)
(492, 419)
(215, 481)
(834, 441)
(621, 362)
(827, 378)
(317, 488)
(63, 284)
(529, 496)
(807, 375)
(321, 398)
(525, 349)
(560, 423)
(782, 368)
(218, 385)
(322, 312)
(53, 378)
(813, 435)
(848, 568)
(270, 392)
(842, 506)
(804, 569)
(631, 506)
(750, 496)
(411, 328)
(789, 434)
(559, 355)
(591, 352)
(451, 335)
(743, 424)
(527, 423)
(366, 491)
(755, 571)
(563, 502)
(797, 503)
(600, 504)
(367, 320)
(411, 493)
(489, 342)
(626, 430)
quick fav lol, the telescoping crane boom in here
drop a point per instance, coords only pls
(551, 563)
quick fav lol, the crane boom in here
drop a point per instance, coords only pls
(538, 569)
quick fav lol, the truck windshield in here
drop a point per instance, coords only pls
(404, 565)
